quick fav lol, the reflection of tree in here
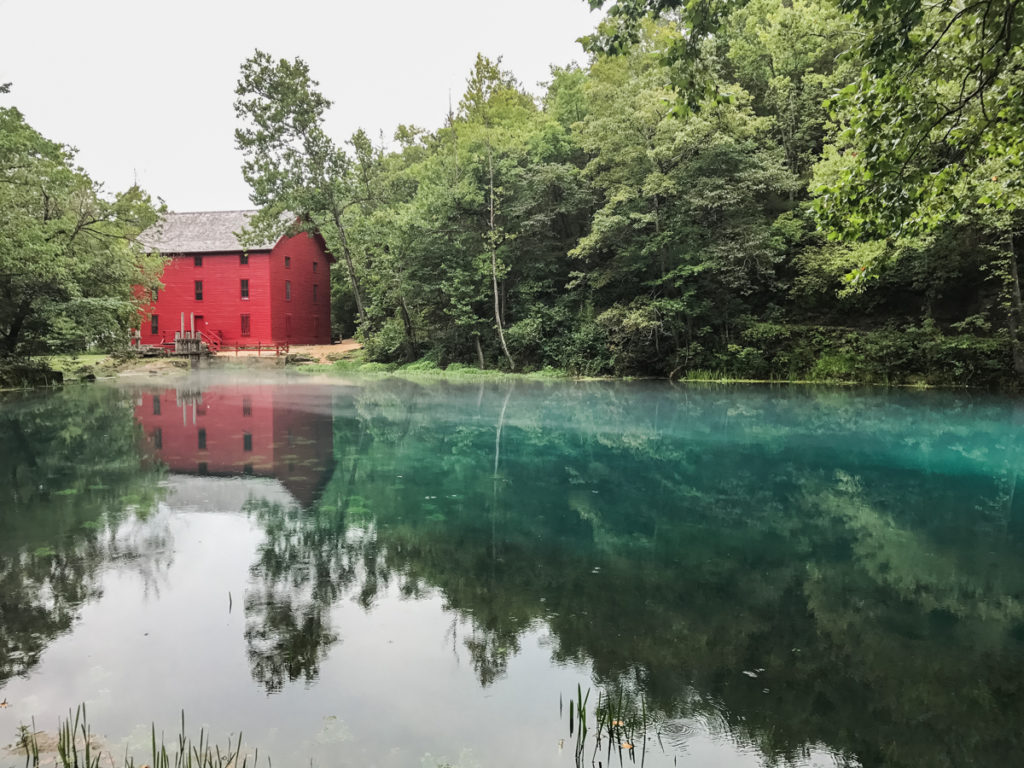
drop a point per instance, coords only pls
(286, 638)
(303, 567)
(72, 470)
(867, 559)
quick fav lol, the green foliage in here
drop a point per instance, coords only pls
(69, 264)
(612, 227)
(299, 178)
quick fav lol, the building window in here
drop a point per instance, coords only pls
(243, 259)
(314, 267)
(246, 326)
(246, 441)
(203, 468)
(154, 324)
(245, 290)
(156, 405)
(247, 469)
(202, 439)
(287, 262)
(156, 294)
(197, 261)
(247, 406)
(199, 290)
(158, 438)
(287, 290)
(314, 292)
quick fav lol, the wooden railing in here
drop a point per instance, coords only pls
(259, 347)
(214, 339)
(192, 342)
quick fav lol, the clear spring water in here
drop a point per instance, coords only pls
(403, 573)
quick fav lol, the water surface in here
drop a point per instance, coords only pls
(394, 573)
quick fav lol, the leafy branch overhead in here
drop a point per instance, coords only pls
(933, 123)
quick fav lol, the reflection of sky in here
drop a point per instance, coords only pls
(397, 687)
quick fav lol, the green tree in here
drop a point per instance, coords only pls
(297, 175)
(935, 116)
(938, 105)
(69, 264)
(685, 243)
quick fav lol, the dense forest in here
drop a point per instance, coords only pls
(770, 189)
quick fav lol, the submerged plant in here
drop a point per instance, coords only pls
(26, 739)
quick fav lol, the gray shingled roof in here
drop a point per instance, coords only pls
(200, 232)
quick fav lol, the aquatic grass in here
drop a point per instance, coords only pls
(621, 722)
(67, 741)
(77, 747)
(26, 739)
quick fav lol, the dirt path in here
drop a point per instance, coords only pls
(321, 353)
(326, 353)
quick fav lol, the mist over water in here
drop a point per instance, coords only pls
(392, 572)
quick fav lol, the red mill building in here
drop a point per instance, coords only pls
(274, 293)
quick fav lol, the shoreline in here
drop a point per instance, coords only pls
(344, 358)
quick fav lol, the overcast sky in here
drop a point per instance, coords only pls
(145, 90)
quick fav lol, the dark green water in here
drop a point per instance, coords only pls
(403, 574)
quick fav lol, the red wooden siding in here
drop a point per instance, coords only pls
(222, 305)
(206, 435)
(292, 262)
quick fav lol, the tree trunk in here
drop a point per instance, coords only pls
(13, 335)
(479, 350)
(494, 263)
(662, 258)
(1015, 315)
(410, 333)
(352, 278)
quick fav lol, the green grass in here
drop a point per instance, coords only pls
(68, 364)
(356, 363)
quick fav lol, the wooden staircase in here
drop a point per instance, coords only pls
(214, 340)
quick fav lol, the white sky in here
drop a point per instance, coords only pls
(145, 90)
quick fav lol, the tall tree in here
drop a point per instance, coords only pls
(69, 263)
(293, 168)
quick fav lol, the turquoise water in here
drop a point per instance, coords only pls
(395, 573)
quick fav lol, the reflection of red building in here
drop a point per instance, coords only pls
(240, 430)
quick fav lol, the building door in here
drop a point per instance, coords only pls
(288, 326)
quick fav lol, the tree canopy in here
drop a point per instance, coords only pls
(763, 189)
(69, 264)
